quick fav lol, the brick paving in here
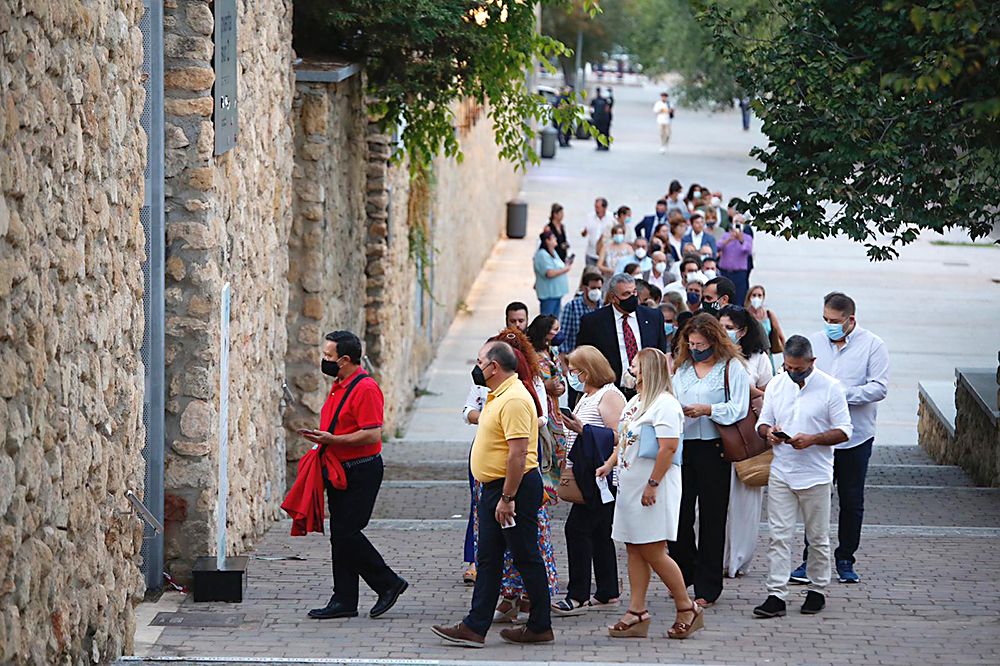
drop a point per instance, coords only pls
(908, 609)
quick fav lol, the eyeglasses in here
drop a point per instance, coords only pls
(698, 347)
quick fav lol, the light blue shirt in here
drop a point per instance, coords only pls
(547, 287)
(862, 366)
(711, 390)
(645, 265)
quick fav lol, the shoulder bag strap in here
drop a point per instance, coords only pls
(726, 381)
(336, 415)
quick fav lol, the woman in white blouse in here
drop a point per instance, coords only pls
(705, 355)
(649, 497)
(744, 501)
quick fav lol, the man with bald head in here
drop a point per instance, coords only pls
(505, 460)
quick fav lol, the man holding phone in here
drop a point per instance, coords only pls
(351, 430)
(804, 416)
(505, 460)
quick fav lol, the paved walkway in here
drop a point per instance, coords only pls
(931, 590)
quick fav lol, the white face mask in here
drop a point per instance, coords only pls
(594, 295)
(710, 274)
(661, 266)
(640, 253)
(756, 302)
(716, 201)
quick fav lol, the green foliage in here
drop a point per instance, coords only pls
(881, 118)
(421, 56)
(601, 31)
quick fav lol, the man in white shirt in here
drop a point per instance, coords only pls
(664, 111)
(595, 228)
(860, 360)
(640, 256)
(804, 416)
(658, 276)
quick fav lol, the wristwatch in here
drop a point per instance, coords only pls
(653, 483)
(507, 498)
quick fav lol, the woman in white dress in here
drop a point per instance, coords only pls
(647, 509)
(745, 502)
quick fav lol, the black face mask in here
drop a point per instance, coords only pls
(330, 368)
(478, 378)
(798, 377)
(629, 304)
(700, 355)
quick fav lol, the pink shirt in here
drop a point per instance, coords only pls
(735, 256)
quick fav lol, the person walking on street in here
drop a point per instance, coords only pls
(697, 241)
(621, 328)
(650, 223)
(674, 201)
(804, 416)
(649, 497)
(745, 112)
(664, 112)
(860, 360)
(351, 430)
(551, 283)
(595, 228)
(735, 250)
(611, 253)
(600, 114)
(588, 528)
(712, 385)
(505, 460)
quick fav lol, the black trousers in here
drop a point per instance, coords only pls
(850, 469)
(588, 542)
(705, 479)
(522, 541)
(353, 554)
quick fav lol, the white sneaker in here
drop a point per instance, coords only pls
(662, 150)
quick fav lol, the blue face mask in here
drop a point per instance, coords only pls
(558, 339)
(835, 331)
(574, 382)
(734, 336)
(669, 328)
(618, 238)
(693, 298)
(700, 355)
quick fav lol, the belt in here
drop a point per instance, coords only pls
(347, 464)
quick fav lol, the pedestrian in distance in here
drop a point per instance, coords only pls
(713, 387)
(350, 437)
(614, 251)
(588, 527)
(697, 241)
(766, 317)
(735, 250)
(860, 360)
(664, 112)
(651, 223)
(595, 229)
(804, 416)
(505, 460)
(647, 511)
(551, 283)
(600, 116)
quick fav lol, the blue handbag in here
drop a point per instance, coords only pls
(649, 445)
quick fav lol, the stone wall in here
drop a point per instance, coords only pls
(326, 247)
(934, 436)
(227, 220)
(71, 323)
(976, 446)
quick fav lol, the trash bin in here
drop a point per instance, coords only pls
(517, 219)
(550, 135)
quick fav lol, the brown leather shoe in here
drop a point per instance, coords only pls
(460, 635)
(524, 636)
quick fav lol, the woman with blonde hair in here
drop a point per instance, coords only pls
(649, 496)
(713, 386)
(588, 528)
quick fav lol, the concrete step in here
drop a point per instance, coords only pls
(895, 504)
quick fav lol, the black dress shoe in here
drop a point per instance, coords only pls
(333, 610)
(772, 607)
(388, 599)
(815, 602)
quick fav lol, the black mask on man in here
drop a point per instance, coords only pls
(330, 368)
(478, 378)
(629, 304)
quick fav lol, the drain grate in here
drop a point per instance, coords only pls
(197, 620)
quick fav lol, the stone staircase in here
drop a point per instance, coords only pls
(427, 481)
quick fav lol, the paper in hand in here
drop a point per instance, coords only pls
(602, 485)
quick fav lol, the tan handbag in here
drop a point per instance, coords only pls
(740, 440)
(773, 338)
(569, 491)
(755, 472)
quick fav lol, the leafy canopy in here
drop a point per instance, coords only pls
(421, 56)
(882, 118)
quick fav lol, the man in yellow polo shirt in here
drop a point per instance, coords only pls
(505, 460)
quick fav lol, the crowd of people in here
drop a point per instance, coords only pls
(620, 399)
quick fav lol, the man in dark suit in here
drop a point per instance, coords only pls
(648, 225)
(697, 241)
(621, 329)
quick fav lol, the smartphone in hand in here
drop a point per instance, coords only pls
(781, 435)
(566, 411)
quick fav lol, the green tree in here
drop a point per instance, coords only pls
(420, 56)
(602, 31)
(881, 118)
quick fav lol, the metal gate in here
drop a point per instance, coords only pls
(151, 215)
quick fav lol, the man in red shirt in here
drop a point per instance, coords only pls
(355, 409)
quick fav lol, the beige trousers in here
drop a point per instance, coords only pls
(783, 505)
(664, 135)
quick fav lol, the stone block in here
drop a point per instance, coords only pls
(201, 178)
(312, 307)
(192, 449)
(195, 106)
(187, 47)
(189, 78)
(198, 420)
(200, 19)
